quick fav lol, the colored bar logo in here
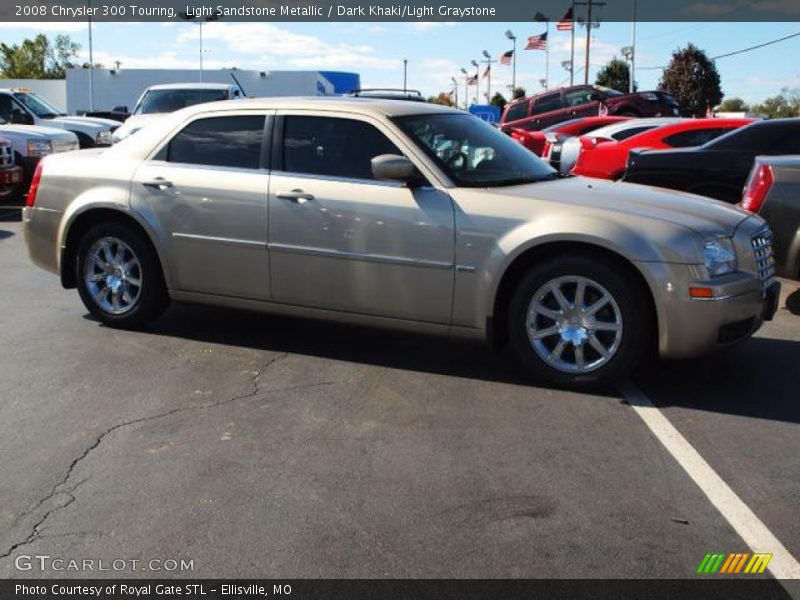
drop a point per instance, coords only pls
(720, 562)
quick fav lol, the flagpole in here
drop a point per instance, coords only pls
(91, 63)
(514, 69)
(547, 58)
(588, 42)
(572, 48)
(632, 82)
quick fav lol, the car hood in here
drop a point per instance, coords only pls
(37, 132)
(705, 216)
(94, 123)
(134, 123)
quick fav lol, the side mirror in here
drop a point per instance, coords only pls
(391, 167)
(21, 118)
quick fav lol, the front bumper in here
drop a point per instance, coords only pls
(690, 327)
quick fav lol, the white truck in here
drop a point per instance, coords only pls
(21, 106)
(158, 100)
(30, 143)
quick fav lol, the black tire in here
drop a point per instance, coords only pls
(152, 298)
(634, 341)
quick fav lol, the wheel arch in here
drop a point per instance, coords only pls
(495, 326)
(82, 222)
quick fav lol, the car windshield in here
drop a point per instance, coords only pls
(472, 152)
(166, 101)
(38, 106)
(608, 91)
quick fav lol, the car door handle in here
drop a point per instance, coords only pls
(158, 183)
(298, 196)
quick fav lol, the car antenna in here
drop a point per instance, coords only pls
(241, 87)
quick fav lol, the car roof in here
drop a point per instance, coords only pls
(191, 86)
(371, 106)
(610, 130)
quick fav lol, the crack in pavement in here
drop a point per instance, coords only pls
(56, 491)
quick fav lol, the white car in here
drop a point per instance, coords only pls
(158, 100)
(30, 143)
(23, 107)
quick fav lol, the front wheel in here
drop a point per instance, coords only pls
(119, 276)
(579, 320)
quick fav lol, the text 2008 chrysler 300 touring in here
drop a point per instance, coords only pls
(398, 214)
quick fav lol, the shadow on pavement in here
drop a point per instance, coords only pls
(756, 379)
(5, 234)
(370, 346)
(793, 302)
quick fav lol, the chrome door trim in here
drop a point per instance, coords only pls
(220, 240)
(379, 258)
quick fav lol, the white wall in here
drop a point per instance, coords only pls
(123, 87)
(54, 90)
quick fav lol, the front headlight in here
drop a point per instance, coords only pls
(720, 257)
(103, 138)
(37, 148)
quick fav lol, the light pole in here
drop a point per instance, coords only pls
(540, 18)
(487, 58)
(91, 63)
(633, 49)
(405, 74)
(466, 88)
(627, 53)
(513, 39)
(455, 90)
(200, 22)
(477, 79)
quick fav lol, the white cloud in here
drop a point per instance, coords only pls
(428, 26)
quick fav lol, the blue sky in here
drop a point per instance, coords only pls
(435, 51)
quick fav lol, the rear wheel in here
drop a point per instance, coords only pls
(119, 276)
(579, 320)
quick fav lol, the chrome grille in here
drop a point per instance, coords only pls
(765, 260)
(6, 156)
(65, 145)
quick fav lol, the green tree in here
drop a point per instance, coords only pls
(784, 105)
(38, 58)
(615, 75)
(692, 78)
(733, 105)
(519, 92)
(498, 100)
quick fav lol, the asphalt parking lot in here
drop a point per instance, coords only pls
(262, 446)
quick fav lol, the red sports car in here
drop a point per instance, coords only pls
(536, 141)
(605, 158)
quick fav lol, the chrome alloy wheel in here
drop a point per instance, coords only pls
(574, 324)
(113, 275)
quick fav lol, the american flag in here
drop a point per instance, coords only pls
(537, 42)
(472, 80)
(567, 21)
(505, 57)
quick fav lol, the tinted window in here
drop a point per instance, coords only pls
(166, 101)
(546, 103)
(6, 106)
(698, 137)
(768, 137)
(473, 153)
(578, 97)
(517, 111)
(220, 142)
(334, 147)
(625, 134)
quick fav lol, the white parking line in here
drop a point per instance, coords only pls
(743, 520)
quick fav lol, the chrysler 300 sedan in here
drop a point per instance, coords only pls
(398, 214)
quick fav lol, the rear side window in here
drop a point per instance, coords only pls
(517, 111)
(625, 134)
(220, 142)
(547, 103)
(698, 137)
(332, 147)
(765, 137)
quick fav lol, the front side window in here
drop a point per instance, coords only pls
(517, 111)
(332, 147)
(546, 104)
(219, 142)
(167, 101)
(578, 97)
(473, 153)
(37, 105)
